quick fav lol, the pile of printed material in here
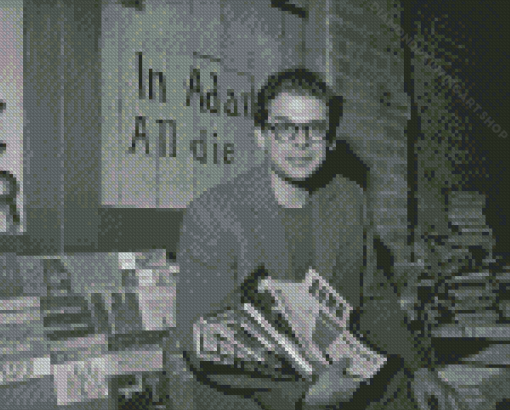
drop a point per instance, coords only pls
(282, 326)
(23, 349)
(480, 299)
(504, 300)
(473, 300)
(65, 313)
(467, 220)
(147, 300)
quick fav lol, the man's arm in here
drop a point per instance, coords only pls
(381, 321)
(383, 324)
(207, 258)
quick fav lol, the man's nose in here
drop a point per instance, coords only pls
(301, 138)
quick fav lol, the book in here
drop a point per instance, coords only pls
(504, 306)
(15, 371)
(231, 338)
(486, 317)
(19, 304)
(304, 325)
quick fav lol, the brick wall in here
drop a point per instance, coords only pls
(363, 60)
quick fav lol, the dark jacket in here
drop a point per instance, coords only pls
(232, 229)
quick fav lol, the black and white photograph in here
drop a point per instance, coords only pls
(254, 205)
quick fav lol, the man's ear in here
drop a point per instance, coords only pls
(261, 138)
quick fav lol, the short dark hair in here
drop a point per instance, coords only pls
(301, 81)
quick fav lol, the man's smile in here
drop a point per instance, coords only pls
(299, 160)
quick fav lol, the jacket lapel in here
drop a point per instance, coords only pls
(338, 231)
(326, 229)
(267, 235)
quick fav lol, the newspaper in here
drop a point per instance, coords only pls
(305, 324)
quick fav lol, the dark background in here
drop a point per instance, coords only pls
(482, 27)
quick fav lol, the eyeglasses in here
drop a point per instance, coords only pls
(287, 131)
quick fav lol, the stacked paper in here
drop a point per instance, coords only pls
(15, 371)
(149, 289)
(85, 380)
(467, 220)
(305, 324)
(472, 299)
(232, 338)
(23, 348)
(504, 306)
(21, 329)
(65, 314)
(77, 381)
(78, 348)
(503, 281)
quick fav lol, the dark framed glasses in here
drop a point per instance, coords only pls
(288, 131)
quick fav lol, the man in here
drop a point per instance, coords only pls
(294, 211)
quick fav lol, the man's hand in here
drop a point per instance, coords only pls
(432, 393)
(332, 387)
(283, 395)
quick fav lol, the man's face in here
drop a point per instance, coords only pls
(299, 156)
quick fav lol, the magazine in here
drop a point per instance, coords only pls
(304, 324)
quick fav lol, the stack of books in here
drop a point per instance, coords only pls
(467, 221)
(65, 314)
(472, 299)
(23, 350)
(504, 306)
(502, 280)
(148, 299)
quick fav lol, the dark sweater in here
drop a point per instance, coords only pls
(298, 234)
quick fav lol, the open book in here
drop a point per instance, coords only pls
(278, 323)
